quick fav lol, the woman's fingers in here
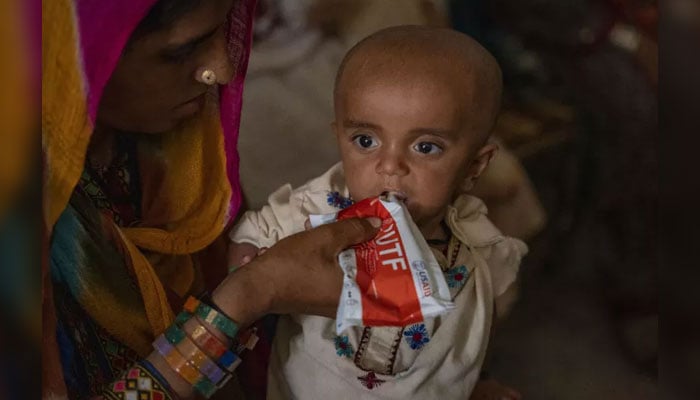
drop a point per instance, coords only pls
(307, 278)
(343, 234)
(299, 274)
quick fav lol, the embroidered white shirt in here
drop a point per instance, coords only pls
(439, 358)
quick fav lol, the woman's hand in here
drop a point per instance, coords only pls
(299, 274)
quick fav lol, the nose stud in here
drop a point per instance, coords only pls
(206, 76)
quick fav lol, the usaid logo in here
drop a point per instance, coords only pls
(422, 275)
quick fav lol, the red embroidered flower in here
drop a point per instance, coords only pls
(370, 381)
(457, 276)
(416, 336)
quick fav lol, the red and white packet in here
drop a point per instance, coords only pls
(392, 280)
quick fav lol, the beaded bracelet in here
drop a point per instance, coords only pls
(212, 316)
(184, 368)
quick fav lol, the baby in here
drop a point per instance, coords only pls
(414, 109)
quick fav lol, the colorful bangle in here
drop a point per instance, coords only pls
(177, 361)
(225, 358)
(248, 338)
(208, 342)
(211, 316)
(185, 369)
(189, 350)
(205, 388)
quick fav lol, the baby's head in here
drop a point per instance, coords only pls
(414, 109)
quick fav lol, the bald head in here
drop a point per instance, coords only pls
(413, 55)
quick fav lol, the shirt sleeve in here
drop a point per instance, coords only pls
(273, 222)
(503, 259)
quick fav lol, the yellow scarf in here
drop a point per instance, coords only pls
(186, 192)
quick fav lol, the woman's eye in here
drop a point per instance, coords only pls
(364, 141)
(428, 148)
(180, 54)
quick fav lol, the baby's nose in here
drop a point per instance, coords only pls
(392, 165)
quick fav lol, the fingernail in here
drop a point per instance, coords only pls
(375, 222)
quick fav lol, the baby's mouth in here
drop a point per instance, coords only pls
(394, 194)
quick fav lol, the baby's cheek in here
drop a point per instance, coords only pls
(360, 183)
(424, 211)
(434, 200)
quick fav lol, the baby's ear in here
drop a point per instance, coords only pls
(478, 165)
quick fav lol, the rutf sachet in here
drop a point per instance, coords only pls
(392, 280)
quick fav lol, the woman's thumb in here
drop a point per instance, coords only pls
(353, 231)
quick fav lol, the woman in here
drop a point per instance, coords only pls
(141, 102)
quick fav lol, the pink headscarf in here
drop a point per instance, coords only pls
(105, 27)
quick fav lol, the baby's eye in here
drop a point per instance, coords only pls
(364, 141)
(427, 148)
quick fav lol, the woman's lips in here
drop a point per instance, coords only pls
(192, 106)
(194, 98)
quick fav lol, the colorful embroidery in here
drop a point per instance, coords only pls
(416, 336)
(375, 352)
(336, 200)
(456, 246)
(115, 190)
(456, 277)
(137, 384)
(370, 381)
(93, 356)
(343, 347)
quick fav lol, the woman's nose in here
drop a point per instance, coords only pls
(392, 163)
(221, 61)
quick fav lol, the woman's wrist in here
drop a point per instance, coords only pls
(200, 350)
(181, 388)
(243, 296)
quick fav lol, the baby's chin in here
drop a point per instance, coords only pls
(428, 222)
